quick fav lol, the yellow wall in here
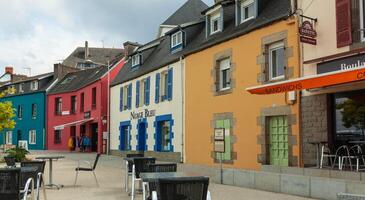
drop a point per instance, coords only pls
(201, 103)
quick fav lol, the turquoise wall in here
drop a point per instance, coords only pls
(27, 122)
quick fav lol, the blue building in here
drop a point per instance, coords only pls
(29, 102)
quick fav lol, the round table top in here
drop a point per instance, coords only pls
(49, 157)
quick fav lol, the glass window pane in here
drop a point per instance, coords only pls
(273, 64)
(280, 61)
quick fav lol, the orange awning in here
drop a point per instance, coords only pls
(311, 82)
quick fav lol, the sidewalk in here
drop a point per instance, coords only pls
(110, 173)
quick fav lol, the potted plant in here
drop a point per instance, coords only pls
(18, 153)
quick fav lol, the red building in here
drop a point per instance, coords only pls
(77, 106)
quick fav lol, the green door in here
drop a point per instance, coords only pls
(279, 141)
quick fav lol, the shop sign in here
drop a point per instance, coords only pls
(87, 115)
(219, 142)
(65, 113)
(307, 33)
(143, 114)
(352, 62)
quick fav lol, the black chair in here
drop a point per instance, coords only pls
(182, 188)
(129, 166)
(161, 167)
(10, 161)
(140, 165)
(10, 183)
(90, 168)
(36, 175)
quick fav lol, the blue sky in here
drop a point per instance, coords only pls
(37, 33)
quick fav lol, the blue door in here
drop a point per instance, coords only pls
(141, 136)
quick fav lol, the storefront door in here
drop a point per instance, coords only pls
(94, 137)
(278, 134)
(124, 138)
(141, 136)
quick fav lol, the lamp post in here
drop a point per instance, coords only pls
(108, 102)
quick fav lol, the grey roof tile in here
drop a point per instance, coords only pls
(188, 12)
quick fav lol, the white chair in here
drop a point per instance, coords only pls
(356, 153)
(343, 155)
(29, 185)
(326, 153)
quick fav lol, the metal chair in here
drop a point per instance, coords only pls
(342, 154)
(10, 183)
(10, 161)
(36, 175)
(192, 188)
(326, 153)
(129, 166)
(161, 167)
(356, 153)
(139, 165)
(91, 168)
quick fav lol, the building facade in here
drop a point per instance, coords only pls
(243, 44)
(78, 106)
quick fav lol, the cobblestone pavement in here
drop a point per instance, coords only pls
(110, 173)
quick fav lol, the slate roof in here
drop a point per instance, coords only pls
(188, 12)
(79, 79)
(99, 55)
(160, 55)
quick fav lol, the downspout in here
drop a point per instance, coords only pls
(182, 64)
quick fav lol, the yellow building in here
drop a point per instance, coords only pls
(243, 44)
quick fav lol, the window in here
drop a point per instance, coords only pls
(143, 92)
(73, 104)
(164, 86)
(9, 137)
(176, 39)
(21, 87)
(247, 10)
(34, 85)
(215, 25)
(20, 112)
(34, 110)
(225, 74)
(68, 80)
(32, 137)
(362, 19)
(225, 124)
(58, 106)
(165, 136)
(136, 60)
(94, 98)
(82, 104)
(276, 61)
(57, 136)
(126, 97)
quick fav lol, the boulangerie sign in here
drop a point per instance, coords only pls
(352, 62)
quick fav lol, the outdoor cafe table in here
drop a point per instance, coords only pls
(51, 159)
(155, 176)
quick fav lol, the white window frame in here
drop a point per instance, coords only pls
(9, 137)
(215, 17)
(135, 60)
(176, 39)
(32, 137)
(21, 87)
(273, 47)
(362, 26)
(34, 85)
(221, 68)
(245, 4)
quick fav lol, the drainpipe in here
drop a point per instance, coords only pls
(182, 64)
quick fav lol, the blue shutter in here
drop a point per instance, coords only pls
(169, 84)
(129, 102)
(121, 100)
(147, 91)
(137, 93)
(157, 89)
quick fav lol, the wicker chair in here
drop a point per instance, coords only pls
(129, 166)
(140, 165)
(192, 188)
(36, 175)
(10, 183)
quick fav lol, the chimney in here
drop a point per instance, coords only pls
(86, 50)
(61, 71)
(9, 70)
(129, 47)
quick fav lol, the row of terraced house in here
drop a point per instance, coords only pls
(245, 82)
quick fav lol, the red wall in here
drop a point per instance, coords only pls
(97, 114)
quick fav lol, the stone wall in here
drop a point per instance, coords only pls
(314, 125)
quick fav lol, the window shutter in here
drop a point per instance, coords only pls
(343, 23)
(207, 25)
(137, 93)
(121, 100)
(129, 101)
(217, 76)
(221, 19)
(169, 84)
(157, 89)
(147, 91)
(238, 13)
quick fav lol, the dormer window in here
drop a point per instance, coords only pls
(215, 25)
(176, 41)
(248, 10)
(136, 60)
(34, 85)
